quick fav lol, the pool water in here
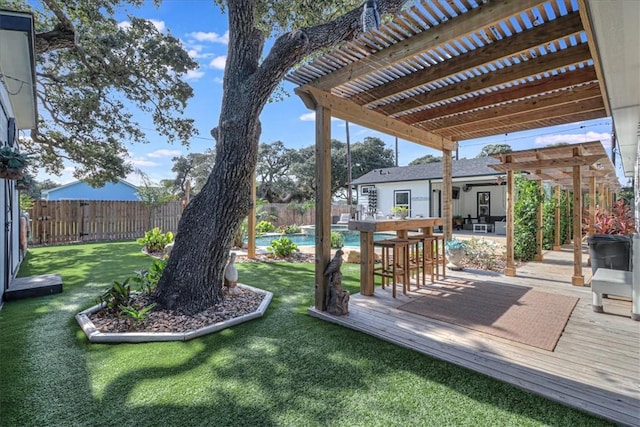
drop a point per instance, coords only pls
(351, 238)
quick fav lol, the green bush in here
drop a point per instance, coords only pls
(155, 240)
(118, 295)
(289, 229)
(526, 218)
(147, 280)
(337, 240)
(265, 227)
(548, 222)
(282, 247)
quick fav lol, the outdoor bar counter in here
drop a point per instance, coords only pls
(368, 227)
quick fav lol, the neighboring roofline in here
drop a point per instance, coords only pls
(69, 184)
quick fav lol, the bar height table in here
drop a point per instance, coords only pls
(368, 227)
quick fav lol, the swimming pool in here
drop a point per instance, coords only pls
(351, 238)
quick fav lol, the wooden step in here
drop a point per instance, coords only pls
(34, 286)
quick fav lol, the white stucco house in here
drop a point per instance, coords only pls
(479, 193)
(17, 112)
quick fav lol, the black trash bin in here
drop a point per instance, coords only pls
(610, 251)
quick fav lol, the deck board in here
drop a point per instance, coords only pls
(595, 366)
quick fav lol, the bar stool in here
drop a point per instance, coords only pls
(393, 252)
(414, 262)
(432, 254)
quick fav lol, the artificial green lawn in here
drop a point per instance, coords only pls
(285, 368)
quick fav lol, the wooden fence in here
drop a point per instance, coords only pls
(72, 221)
(67, 221)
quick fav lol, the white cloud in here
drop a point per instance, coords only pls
(143, 162)
(164, 153)
(160, 25)
(218, 62)
(575, 138)
(194, 75)
(210, 37)
(218, 80)
(310, 117)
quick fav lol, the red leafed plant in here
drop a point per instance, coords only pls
(619, 220)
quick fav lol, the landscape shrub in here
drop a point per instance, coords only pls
(289, 229)
(482, 253)
(155, 240)
(337, 240)
(282, 247)
(265, 227)
(526, 218)
(147, 280)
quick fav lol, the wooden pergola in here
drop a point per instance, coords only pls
(443, 72)
(578, 167)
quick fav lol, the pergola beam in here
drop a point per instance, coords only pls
(520, 42)
(546, 63)
(483, 16)
(556, 104)
(352, 112)
(533, 165)
(543, 85)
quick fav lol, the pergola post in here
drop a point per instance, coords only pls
(577, 279)
(323, 203)
(567, 236)
(510, 269)
(539, 235)
(251, 221)
(557, 231)
(601, 197)
(592, 204)
(446, 194)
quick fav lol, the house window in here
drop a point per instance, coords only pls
(402, 198)
(484, 203)
(364, 190)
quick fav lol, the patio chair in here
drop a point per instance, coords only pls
(344, 218)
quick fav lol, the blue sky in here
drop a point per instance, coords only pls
(203, 30)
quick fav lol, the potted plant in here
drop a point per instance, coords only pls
(400, 211)
(454, 250)
(611, 246)
(12, 163)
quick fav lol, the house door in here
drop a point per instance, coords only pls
(436, 203)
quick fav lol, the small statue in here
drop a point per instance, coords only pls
(336, 299)
(231, 275)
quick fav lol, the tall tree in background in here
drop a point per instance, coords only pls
(490, 149)
(429, 158)
(91, 74)
(273, 172)
(193, 277)
(195, 168)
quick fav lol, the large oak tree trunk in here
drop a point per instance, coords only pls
(192, 280)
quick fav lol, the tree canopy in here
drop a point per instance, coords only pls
(92, 72)
(490, 149)
(429, 158)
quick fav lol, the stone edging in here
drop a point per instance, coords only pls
(95, 336)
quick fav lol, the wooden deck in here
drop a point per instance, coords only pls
(595, 366)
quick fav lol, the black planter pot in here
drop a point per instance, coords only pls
(610, 251)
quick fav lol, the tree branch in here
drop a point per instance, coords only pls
(291, 48)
